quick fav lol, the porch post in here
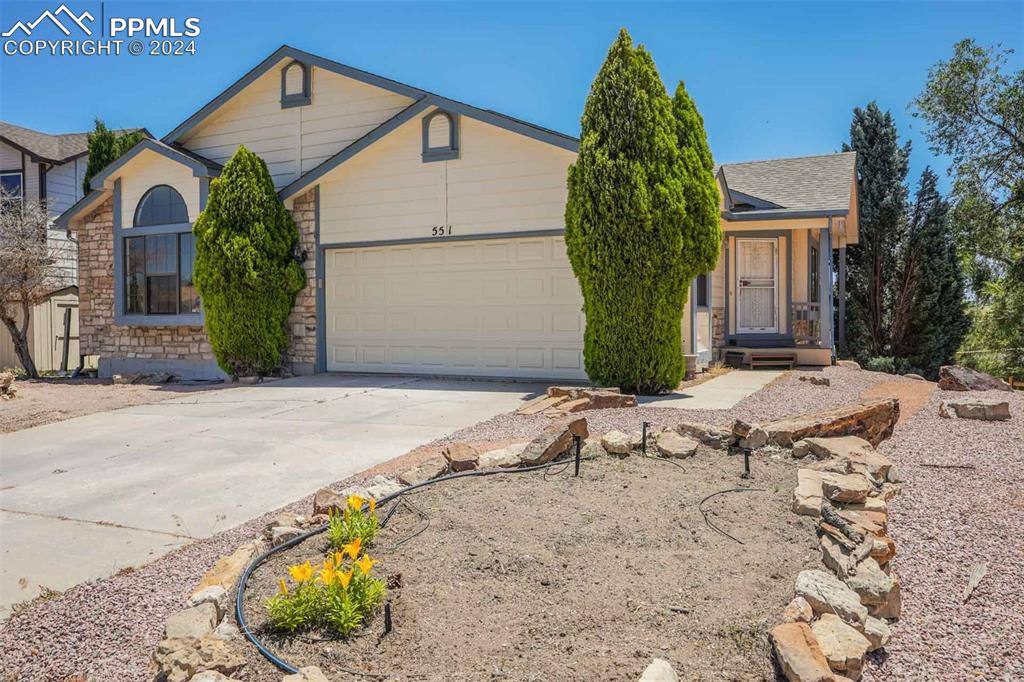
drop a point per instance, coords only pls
(842, 298)
(825, 285)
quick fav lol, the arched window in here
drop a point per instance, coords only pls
(440, 136)
(161, 205)
(158, 263)
(295, 85)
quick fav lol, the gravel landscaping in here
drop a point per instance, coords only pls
(945, 521)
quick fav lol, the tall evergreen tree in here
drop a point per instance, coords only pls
(929, 321)
(245, 271)
(631, 244)
(105, 147)
(882, 165)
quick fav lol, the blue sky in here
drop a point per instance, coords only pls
(771, 78)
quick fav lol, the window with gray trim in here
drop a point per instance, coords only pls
(701, 291)
(158, 267)
(13, 190)
(440, 136)
(295, 85)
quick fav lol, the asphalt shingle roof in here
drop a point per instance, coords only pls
(53, 148)
(806, 183)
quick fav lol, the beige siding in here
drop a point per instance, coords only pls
(45, 335)
(439, 132)
(718, 277)
(149, 169)
(294, 140)
(64, 184)
(502, 182)
(10, 158)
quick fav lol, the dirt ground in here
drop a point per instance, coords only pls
(44, 401)
(913, 395)
(543, 576)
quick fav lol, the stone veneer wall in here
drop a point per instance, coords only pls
(717, 329)
(301, 355)
(176, 349)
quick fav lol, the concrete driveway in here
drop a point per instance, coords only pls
(84, 498)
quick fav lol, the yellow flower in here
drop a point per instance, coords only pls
(355, 502)
(339, 559)
(327, 574)
(301, 572)
(352, 548)
(366, 563)
(373, 504)
(344, 577)
(283, 586)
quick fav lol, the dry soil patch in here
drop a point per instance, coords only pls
(550, 577)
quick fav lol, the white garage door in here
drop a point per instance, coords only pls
(497, 307)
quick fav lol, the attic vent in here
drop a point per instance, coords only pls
(440, 136)
(742, 206)
(295, 85)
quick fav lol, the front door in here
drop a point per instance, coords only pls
(757, 286)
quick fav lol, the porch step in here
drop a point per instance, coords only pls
(787, 360)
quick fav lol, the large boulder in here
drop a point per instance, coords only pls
(428, 470)
(798, 653)
(617, 443)
(671, 444)
(966, 408)
(503, 458)
(870, 583)
(748, 435)
(845, 487)
(555, 440)
(828, 594)
(179, 658)
(462, 456)
(956, 378)
(228, 568)
(327, 500)
(718, 437)
(877, 632)
(195, 621)
(854, 454)
(797, 611)
(873, 421)
(843, 645)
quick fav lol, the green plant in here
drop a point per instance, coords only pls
(297, 608)
(639, 220)
(353, 523)
(881, 364)
(105, 147)
(245, 270)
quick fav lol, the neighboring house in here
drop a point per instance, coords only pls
(37, 166)
(431, 232)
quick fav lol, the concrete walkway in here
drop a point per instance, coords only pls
(720, 393)
(84, 498)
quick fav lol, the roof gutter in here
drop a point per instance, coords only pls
(741, 216)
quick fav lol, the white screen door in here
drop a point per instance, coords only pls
(757, 292)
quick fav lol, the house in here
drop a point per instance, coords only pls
(431, 232)
(37, 166)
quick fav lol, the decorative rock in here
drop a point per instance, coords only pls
(208, 676)
(381, 486)
(285, 519)
(956, 378)
(750, 436)
(845, 487)
(915, 377)
(227, 630)
(835, 557)
(180, 658)
(877, 632)
(227, 569)
(816, 381)
(871, 504)
(871, 583)
(671, 444)
(856, 453)
(883, 549)
(742, 429)
(807, 497)
(282, 534)
(659, 670)
(713, 436)
(592, 448)
(801, 449)
(798, 653)
(844, 647)
(985, 410)
(617, 443)
(428, 470)
(827, 594)
(892, 607)
(554, 440)
(195, 621)
(308, 674)
(462, 457)
(605, 399)
(326, 501)
(564, 408)
(797, 611)
(849, 364)
(540, 404)
(872, 421)
(214, 594)
(502, 458)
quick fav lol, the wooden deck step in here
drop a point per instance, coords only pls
(787, 360)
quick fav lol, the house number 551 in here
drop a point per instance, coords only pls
(441, 231)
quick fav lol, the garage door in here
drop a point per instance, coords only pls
(497, 307)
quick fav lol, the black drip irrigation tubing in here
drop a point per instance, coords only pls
(244, 580)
